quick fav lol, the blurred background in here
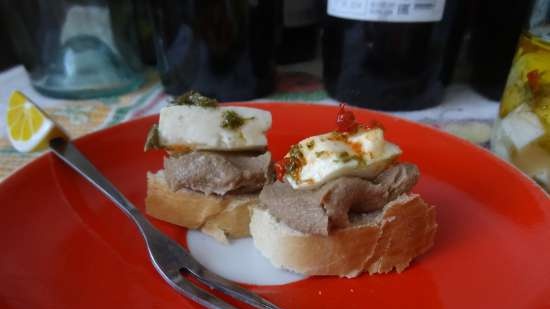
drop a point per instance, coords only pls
(476, 69)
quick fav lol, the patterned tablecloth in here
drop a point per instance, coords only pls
(463, 112)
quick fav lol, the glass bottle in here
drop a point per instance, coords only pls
(7, 55)
(300, 31)
(493, 42)
(386, 54)
(76, 48)
(222, 48)
(521, 133)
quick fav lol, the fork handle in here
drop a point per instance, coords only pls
(67, 152)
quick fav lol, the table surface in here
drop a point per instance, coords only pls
(463, 112)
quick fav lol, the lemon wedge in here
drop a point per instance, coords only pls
(29, 129)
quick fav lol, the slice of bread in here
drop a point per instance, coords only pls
(377, 242)
(220, 217)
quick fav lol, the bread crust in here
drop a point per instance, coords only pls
(377, 242)
(220, 217)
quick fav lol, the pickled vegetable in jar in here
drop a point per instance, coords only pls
(521, 134)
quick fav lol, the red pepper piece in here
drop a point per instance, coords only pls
(280, 169)
(533, 79)
(345, 120)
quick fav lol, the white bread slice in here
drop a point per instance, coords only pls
(377, 242)
(220, 217)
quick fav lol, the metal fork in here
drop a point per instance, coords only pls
(167, 256)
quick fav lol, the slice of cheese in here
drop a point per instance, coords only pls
(534, 161)
(501, 144)
(328, 156)
(194, 127)
(522, 126)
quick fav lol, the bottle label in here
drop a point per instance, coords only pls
(387, 10)
(298, 13)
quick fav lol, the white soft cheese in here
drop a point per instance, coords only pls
(501, 144)
(515, 139)
(535, 162)
(328, 156)
(522, 126)
(200, 128)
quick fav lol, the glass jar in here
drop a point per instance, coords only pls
(76, 48)
(521, 133)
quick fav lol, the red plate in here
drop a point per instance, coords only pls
(66, 246)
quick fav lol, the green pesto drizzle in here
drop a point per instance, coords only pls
(295, 162)
(345, 157)
(232, 120)
(194, 98)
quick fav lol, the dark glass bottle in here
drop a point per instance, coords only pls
(7, 56)
(144, 29)
(494, 37)
(300, 31)
(453, 47)
(393, 62)
(221, 48)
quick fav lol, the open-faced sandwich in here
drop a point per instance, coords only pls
(342, 206)
(216, 165)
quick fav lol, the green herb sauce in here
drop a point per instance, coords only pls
(232, 120)
(195, 99)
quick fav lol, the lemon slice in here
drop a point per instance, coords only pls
(29, 129)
